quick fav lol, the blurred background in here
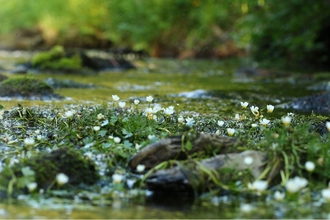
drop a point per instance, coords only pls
(290, 32)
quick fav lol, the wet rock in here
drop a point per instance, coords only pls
(199, 93)
(57, 83)
(317, 103)
(173, 148)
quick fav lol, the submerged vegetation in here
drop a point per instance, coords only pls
(84, 140)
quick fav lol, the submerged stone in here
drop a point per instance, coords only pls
(317, 103)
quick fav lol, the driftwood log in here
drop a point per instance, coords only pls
(173, 148)
(187, 176)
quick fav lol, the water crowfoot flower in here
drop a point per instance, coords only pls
(115, 98)
(96, 128)
(264, 122)
(255, 110)
(248, 160)
(140, 168)
(69, 114)
(136, 101)
(327, 124)
(61, 179)
(286, 120)
(149, 98)
(310, 166)
(270, 108)
(244, 104)
(29, 141)
(326, 194)
(117, 140)
(100, 116)
(259, 185)
(180, 120)
(122, 104)
(190, 122)
(279, 196)
(220, 123)
(295, 184)
(246, 208)
(230, 131)
(169, 111)
(117, 178)
(32, 186)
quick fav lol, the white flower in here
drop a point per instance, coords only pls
(246, 208)
(149, 98)
(151, 137)
(32, 186)
(121, 104)
(180, 120)
(254, 125)
(221, 123)
(230, 131)
(61, 179)
(100, 116)
(259, 185)
(237, 117)
(244, 104)
(264, 122)
(29, 141)
(248, 160)
(96, 128)
(138, 146)
(310, 166)
(190, 122)
(295, 184)
(255, 110)
(88, 155)
(69, 114)
(270, 108)
(290, 114)
(279, 196)
(115, 98)
(326, 194)
(286, 120)
(169, 110)
(327, 124)
(117, 178)
(117, 140)
(148, 111)
(136, 101)
(140, 168)
(156, 109)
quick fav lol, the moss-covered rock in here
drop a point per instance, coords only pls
(56, 59)
(25, 87)
(64, 160)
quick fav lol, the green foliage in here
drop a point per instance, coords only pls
(290, 31)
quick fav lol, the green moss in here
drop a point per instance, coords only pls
(24, 87)
(56, 59)
(65, 160)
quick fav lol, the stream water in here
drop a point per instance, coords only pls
(199, 86)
